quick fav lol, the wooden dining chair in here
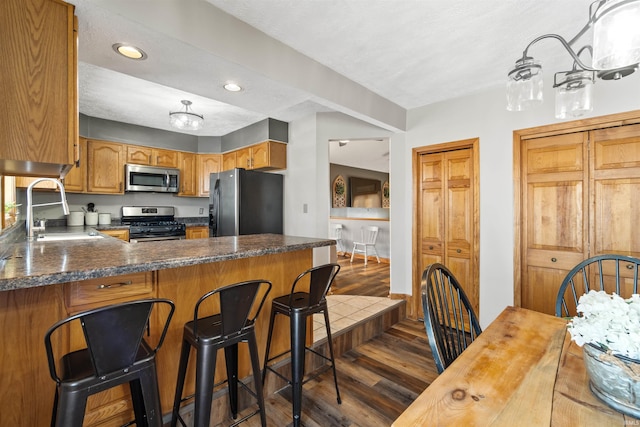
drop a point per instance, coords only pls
(608, 272)
(449, 318)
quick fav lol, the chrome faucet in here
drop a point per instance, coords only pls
(30, 205)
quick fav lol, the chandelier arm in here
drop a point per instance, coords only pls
(566, 46)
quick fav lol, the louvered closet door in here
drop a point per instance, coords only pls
(555, 215)
(446, 210)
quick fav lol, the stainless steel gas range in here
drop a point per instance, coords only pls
(152, 223)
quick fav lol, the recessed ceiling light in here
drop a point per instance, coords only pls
(232, 87)
(129, 51)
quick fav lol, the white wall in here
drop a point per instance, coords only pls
(484, 116)
(307, 175)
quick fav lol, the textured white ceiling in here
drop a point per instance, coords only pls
(372, 59)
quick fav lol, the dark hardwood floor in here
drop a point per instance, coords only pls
(378, 380)
(356, 279)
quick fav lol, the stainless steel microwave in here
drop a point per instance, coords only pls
(151, 179)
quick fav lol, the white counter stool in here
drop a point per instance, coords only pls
(337, 236)
(368, 239)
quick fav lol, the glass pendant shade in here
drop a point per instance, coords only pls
(524, 85)
(616, 34)
(574, 93)
(186, 119)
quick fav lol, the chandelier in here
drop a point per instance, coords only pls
(614, 52)
(186, 119)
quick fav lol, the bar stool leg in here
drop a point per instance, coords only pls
(231, 359)
(205, 371)
(266, 353)
(298, 342)
(71, 407)
(257, 378)
(151, 397)
(182, 371)
(333, 360)
(138, 401)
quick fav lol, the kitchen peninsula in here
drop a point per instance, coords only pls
(41, 283)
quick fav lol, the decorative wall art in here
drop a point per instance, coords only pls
(339, 192)
(385, 195)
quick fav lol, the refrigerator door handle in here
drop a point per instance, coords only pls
(216, 207)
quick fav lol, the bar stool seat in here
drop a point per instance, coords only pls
(116, 354)
(225, 330)
(298, 306)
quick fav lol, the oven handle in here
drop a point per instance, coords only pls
(155, 239)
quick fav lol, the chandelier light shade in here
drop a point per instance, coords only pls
(574, 93)
(614, 53)
(186, 119)
(616, 34)
(524, 86)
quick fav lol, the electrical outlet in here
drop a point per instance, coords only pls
(305, 208)
(201, 211)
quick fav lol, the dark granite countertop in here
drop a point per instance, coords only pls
(30, 264)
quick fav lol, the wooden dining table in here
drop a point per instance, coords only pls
(522, 370)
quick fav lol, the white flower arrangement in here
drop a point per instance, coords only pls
(608, 321)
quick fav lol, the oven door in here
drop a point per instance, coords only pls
(141, 239)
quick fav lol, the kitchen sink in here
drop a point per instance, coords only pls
(53, 237)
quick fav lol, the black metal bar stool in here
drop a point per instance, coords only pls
(234, 324)
(298, 306)
(116, 354)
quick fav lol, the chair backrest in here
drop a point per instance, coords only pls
(608, 272)
(449, 319)
(337, 231)
(113, 334)
(320, 280)
(369, 235)
(237, 305)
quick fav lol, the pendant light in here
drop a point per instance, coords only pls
(186, 119)
(615, 53)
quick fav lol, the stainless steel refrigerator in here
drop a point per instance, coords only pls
(245, 202)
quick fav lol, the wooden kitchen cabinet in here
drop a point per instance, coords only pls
(39, 127)
(228, 161)
(105, 167)
(207, 164)
(76, 179)
(197, 232)
(187, 163)
(74, 182)
(152, 156)
(25, 181)
(122, 234)
(244, 158)
(267, 155)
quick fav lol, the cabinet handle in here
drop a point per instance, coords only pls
(430, 247)
(554, 259)
(630, 266)
(114, 285)
(459, 250)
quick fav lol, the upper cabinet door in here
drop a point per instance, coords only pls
(188, 170)
(207, 164)
(165, 158)
(39, 127)
(105, 167)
